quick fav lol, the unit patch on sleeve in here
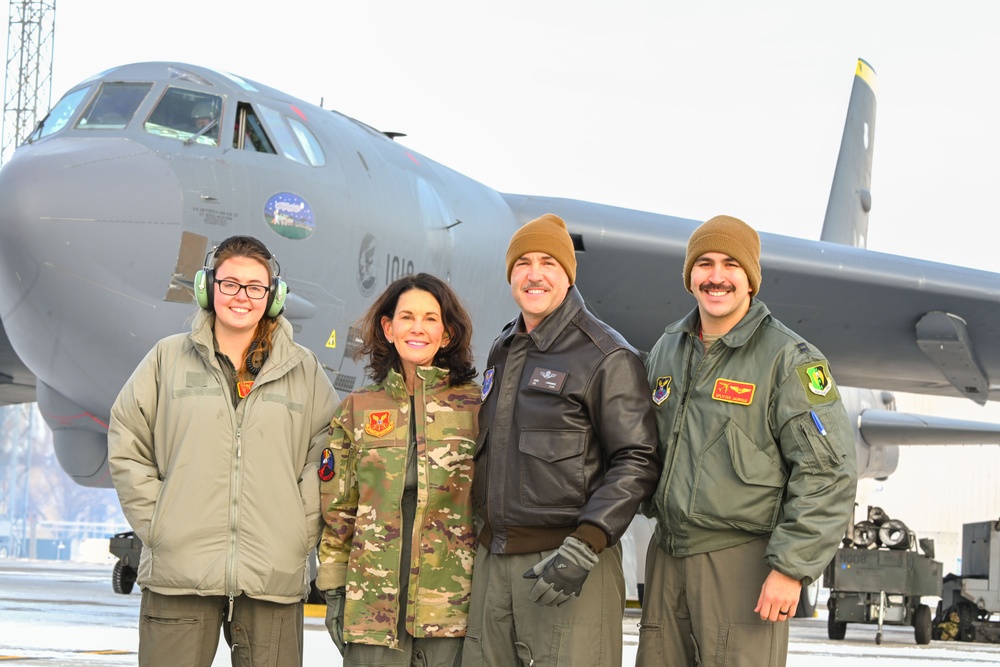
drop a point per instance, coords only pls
(379, 422)
(732, 391)
(817, 383)
(487, 382)
(326, 465)
(662, 391)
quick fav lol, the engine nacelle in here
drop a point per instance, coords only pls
(875, 462)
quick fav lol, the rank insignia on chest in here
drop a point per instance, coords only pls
(379, 423)
(731, 391)
(487, 382)
(326, 465)
(243, 388)
(548, 380)
(662, 391)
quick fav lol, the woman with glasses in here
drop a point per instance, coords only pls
(214, 445)
(398, 545)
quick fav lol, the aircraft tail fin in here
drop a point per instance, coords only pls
(850, 200)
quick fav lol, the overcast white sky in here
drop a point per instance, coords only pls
(684, 108)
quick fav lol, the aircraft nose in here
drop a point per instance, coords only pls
(79, 226)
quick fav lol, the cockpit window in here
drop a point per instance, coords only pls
(250, 134)
(113, 106)
(282, 136)
(310, 145)
(60, 114)
(187, 115)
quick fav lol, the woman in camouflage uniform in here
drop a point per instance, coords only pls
(398, 544)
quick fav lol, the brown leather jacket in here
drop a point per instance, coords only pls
(567, 442)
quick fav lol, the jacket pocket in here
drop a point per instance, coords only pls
(342, 451)
(820, 452)
(450, 446)
(552, 470)
(736, 484)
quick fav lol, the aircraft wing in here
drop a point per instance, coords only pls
(17, 383)
(883, 321)
(883, 428)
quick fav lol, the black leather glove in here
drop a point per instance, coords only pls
(561, 575)
(335, 616)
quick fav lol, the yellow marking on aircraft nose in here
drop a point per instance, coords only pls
(332, 340)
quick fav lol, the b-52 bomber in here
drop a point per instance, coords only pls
(111, 205)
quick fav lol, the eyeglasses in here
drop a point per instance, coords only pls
(231, 288)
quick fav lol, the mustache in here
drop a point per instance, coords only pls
(716, 287)
(534, 284)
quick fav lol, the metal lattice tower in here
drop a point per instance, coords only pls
(28, 84)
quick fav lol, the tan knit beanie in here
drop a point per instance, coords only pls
(730, 236)
(545, 234)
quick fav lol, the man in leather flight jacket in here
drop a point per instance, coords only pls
(567, 450)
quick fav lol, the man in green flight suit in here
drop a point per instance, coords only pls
(759, 475)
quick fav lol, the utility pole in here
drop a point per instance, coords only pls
(28, 84)
(27, 93)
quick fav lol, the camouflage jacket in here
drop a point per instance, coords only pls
(361, 488)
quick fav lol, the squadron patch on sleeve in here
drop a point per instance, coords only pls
(817, 383)
(326, 470)
(487, 382)
(662, 391)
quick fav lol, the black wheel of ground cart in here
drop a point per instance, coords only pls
(123, 578)
(922, 624)
(834, 629)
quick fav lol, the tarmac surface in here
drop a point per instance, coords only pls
(66, 614)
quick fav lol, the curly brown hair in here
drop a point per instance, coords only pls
(382, 355)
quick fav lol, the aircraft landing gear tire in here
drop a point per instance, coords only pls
(807, 601)
(834, 629)
(123, 578)
(922, 624)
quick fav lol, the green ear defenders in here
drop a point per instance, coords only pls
(204, 279)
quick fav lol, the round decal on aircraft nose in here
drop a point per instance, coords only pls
(289, 215)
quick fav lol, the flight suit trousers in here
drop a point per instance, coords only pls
(699, 610)
(506, 628)
(184, 630)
